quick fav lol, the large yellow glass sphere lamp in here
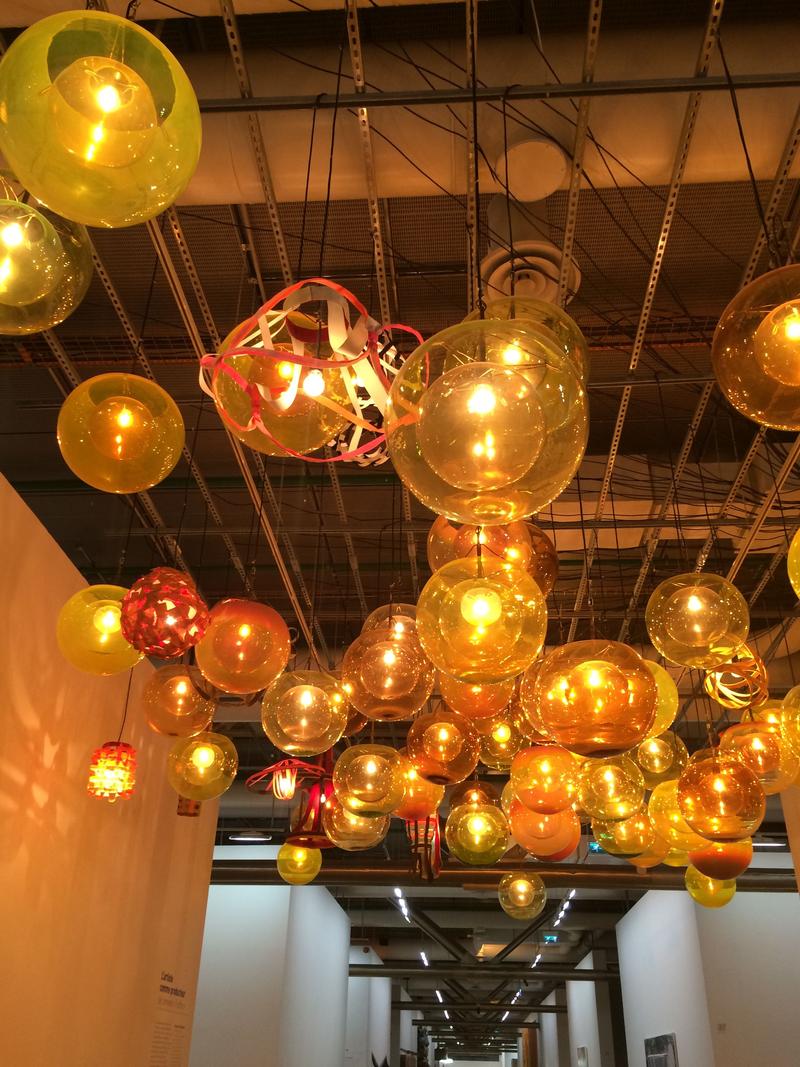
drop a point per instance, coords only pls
(245, 647)
(709, 892)
(172, 703)
(202, 767)
(756, 349)
(697, 620)
(89, 631)
(634, 836)
(99, 120)
(522, 895)
(762, 747)
(386, 673)
(298, 865)
(443, 746)
(720, 798)
(666, 816)
(545, 778)
(304, 713)
(480, 622)
(593, 697)
(477, 833)
(661, 758)
(610, 788)
(368, 779)
(667, 699)
(723, 860)
(353, 833)
(454, 415)
(120, 433)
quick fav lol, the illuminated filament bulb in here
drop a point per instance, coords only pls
(512, 355)
(481, 606)
(203, 757)
(314, 383)
(502, 733)
(12, 235)
(481, 400)
(106, 621)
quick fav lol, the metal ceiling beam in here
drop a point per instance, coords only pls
(548, 91)
(524, 935)
(425, 1005)
(436, 933)
(480, 971)
(678, 168)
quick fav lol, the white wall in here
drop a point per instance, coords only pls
(97, 900)
(589, 1020)
(554, 1042)
(368, 1014)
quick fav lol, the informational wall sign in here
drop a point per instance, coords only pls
(172, 1025)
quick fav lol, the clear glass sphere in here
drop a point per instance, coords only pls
(202, 767)
(550, 837)
(304, 712)
(697, 620)
(633, 836)
(120, 433)
(89, 631)
(480, 622)
(522, 895)
(667, 699)
(720, 798)
(610, 788)
(453, 418)
(477, 833)
(762, 747)
(499, 739)
(298, 865)
(592, 697)
(545, 778)
(756, 349)
(173, 705)
(666, 816)
(100, 122)
(709, 892)
(443, 746)
(368, 779)
(481, 703)
(661, 758)
(387, 674)
(353, 833)
(723, 860)
(421, 797)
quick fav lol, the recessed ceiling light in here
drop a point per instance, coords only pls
(254, 838)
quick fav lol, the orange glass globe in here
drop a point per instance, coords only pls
(202, 767)
(245, 647)
(89, 631)
(661, 758)
(297, 865)
(477, 833)
(756, 349)
(592, 697)
(480, 621)
(387, 674)
(173, 705)
(120, 433)
(723, 860)
(368, 779)
(480, 703)
(396, 617)
(499, 741)
(473, 791)
(793, 564)
(762, 747)
(697, 620)
(443, 746)
(522, 895)
(720, 798)
(626, 837)
(665, 814)
(610, 788)
(652, 856)
(667, 699)
(453, 417)
(545, 836)
(709, 892)
(304, 712)
(353, 833)
(421, 798)
(787, 713)
(545, 778)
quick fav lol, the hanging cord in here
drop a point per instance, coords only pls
(127, 699)
(508, 193)
(675, 508)
(474, 238)
(308, 183)
(330, 164)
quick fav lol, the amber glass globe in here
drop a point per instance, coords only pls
(551, 837)
(793, 564)
(245, 647)
(89, 631)
(652, 856)
(443, 746)
(720, 798)
(522, 895)
(611, 788)
(120, 433)
(626, 837)
(665, 814)
(202, 767)
(762, 747)
(477, 833)
(787, 714)
(454, 414)
(698, 620)
(480, 622)
(473, 791)
(507, 797)
(353, 833)
(540, 314)
(421, 798)
(756, 349)
(396, 617)
(661, 758)
(99, 122)
(387, 674)
(545, 778)
(667, 699)
(592, 697)
(519, 544)
(480, 703)
(173, 705)
(499, 739)
(723, 860)
(297, 865)
(304, 712)
(369, 780)
(709, 892)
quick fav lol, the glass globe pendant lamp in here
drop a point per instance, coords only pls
(697, 620)
(298, 865)
(762, 747)
(522, 895)
(202, 767)
(709, 892)
(304, 713)
(421, 798)
(545, 778)
(351, 832)
(89, 631)
(245, 647)
(610, 789)
(661, 758)
(477, 833)
(368, 779)
(722, 860)
(548, 837)
(720, 798)
(443, 746)
(173, 704)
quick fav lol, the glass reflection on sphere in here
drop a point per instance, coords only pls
(545, 778)
(676, 857)
(762, 747)
(652, 856)
(545, 836)
(666, 698)
(443, 746)
(633, 836)
(245, 647)
(666, 816)
(720, 798)
(202, 767)
(31, 258)
(481, 622)
(421, 797)
(610, 788)
(477, 702)
(352, 832)
(89, 631)
(298, 865)
(368, 779)
(660, 758)
(304, 712)
(709, 892)
(477, 833)
(723, 860)
(522, 895)
(697, 620)
(172, 703)
(387, 673)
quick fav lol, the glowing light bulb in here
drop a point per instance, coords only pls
(245, 630)
(444, 734)
(314, 383)
(477, 826)
(481, 606)
(306, 698)
(203, 757)
(791, 326)
(124, 417)
(371, 767)
(501, 733)
(694, 603)
(481, 400)
(389, 658)
(12, 235)
(286, 370)
(107, 620)
(512, 355)
(108, 99)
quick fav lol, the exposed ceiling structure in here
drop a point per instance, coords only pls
(655, 207)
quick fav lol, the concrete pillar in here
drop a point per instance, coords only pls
(554, 1042)
(368, 1015)
(591, 1041)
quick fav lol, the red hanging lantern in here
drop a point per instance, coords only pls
(283, 777)
(112, 772)
(426, 847)
(163, 615)
(284, 782)
(307, 830)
